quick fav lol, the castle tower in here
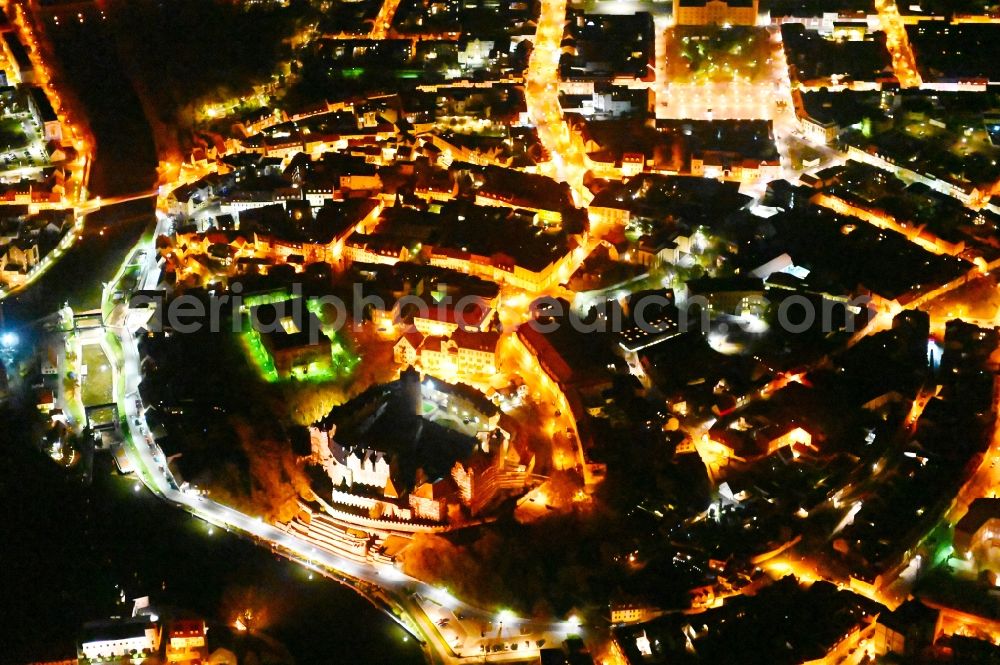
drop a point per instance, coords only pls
(410, 380)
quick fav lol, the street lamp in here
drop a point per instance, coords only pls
(502, 616)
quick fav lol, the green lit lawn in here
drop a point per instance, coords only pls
(97, 383)
(12, 136)
(340, 365)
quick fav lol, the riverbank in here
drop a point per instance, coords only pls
(90, 67)
(71, 550)
(77, 548)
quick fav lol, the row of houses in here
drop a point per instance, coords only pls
(462, 354)
(25, 239)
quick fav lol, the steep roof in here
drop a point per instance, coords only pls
(980, 511)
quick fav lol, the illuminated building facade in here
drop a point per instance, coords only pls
(112, 640)
(718, 12)
(977, 534)
(186, 641)
(463, 353)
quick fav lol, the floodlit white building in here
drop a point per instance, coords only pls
(349, 465)
(114, 639)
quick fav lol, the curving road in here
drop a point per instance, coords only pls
(412, 603)
(449, 630)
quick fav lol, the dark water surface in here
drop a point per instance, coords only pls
(68, 551)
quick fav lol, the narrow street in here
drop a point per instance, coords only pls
(383, 22)
(569, 161)
(903, 62)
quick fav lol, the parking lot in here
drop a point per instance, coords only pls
(22, 149)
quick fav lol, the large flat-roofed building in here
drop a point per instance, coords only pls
(111, 640)
(720, 12)
(18, 60)
(45, 115)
